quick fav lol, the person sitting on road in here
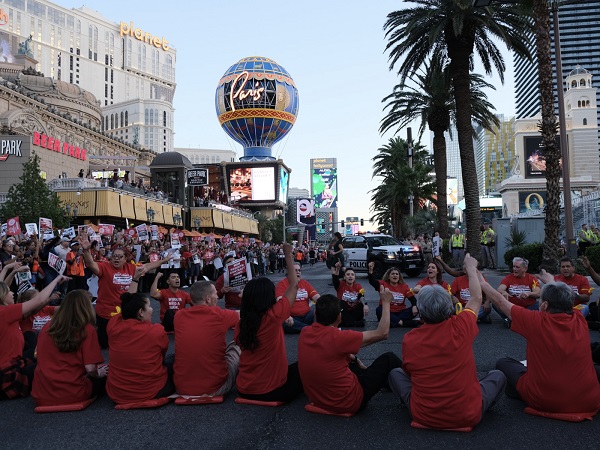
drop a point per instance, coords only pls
(332, 376)
(232, 296)
(350, 293)
(301, 314)
(578, 283)
(171, 299)
(401, 314)
(68, 355)
(209, 368)
(264, 373)
(438, 381)
(434, 277)
(560, 376)
(520, 288)
(137, 349)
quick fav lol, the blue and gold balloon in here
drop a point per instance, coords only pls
(257, 105)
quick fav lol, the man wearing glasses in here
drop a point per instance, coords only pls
(519, 288)
(301, 314)
(114, 278)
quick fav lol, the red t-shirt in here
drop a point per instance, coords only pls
(560, 373)
(265, 368)
(136, 351)
(232, 299)
(401, 293)
(173, 300)
(201, 369)
(36, 321)
(427, 282)
(301, 306)
(11, 337)
(578, 283)
(323, 357)
(111, 284)
(61, 378)
(349, 295)
(516, 286)
(439, 360)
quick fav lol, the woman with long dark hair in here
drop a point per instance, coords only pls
(68, 354)
(434, 277)
(264, 373)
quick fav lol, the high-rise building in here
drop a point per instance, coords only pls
(579, 26)
(498, 152)
(129, 70)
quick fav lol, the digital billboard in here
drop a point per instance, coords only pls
(535, 159)
(284, 180)
(324, 182)
(531, 201)
(252, 183)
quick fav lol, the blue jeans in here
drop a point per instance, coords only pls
(405, 315)
(300, 322)
(534, 307)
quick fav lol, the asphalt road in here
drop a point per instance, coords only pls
(384, 424)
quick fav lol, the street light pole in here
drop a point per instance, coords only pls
(410, 150)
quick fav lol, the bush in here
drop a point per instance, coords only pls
(593, 254)
(530, 252)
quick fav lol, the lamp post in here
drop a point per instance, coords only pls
(177, 220)
(197, 223)
(150, 215)
(75, 212)
(410, 150)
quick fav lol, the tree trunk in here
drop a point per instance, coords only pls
(441, 183)
(459, 69)
(548, 127)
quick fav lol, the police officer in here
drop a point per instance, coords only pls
(457, 248)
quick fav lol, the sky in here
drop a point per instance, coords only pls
(333, 50)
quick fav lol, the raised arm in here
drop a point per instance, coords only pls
(154, 292)
(335, 275)
(86, 245)
(42, 298)
(496, 297)
(9, 267)
(292, 276)
(474, 303)
(156, 264)
(590, 270)
(449, 270)
(383, 329)
(371, 277)
(140, 271)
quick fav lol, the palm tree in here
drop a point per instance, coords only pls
(432, 98)
(390, 199)
(456, 30)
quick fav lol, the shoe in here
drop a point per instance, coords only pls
(507, 323)
(186, 286)
(486, 319)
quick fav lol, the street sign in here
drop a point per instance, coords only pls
(197, 177)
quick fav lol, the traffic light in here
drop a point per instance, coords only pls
(343, 224)
(362, 222)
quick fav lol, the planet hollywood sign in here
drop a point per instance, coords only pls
(55, 145)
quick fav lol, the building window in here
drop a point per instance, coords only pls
(585, 121)
(126, 118)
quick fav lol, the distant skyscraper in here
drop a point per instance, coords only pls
(580, 44)
(497, 149)
(453, 158)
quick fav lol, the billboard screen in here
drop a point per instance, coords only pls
(324, 182)
(535, 160)
(529, 201)
(252, 183)
(284, 180)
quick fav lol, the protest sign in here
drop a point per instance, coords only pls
(46, 228)
(237, 273)
(106, 229)
(154, 232)
(69, 233)
(142, 232)
(13, 227)
(56, 263)
(31, 229)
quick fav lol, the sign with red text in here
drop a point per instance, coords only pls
(237, 273)
(56, 263)
(13, 227)
(105, 229)
(46, 228)
(142, 232)
(55, 145)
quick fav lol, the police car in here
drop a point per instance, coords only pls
(385, 252)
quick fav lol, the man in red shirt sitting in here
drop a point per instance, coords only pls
(332, 376)
(204, 364)
(438, 381)
(301, 314)
(578, 283)
(560, 376)
(171, 299)
(520, 288)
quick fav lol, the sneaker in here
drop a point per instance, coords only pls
(486, 319)
(507, 323)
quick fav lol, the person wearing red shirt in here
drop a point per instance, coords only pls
(232, 296)
(578, 283)
(171, 299)
(332, 376)
(350, 294)
(301, 314)
(114, 278)
(137, 349)
(68, 355)
(438, 380)
(462, 294)
(264, 373)
(401, 315)
(36, 321)
(17, 362)
(434, 277)
(520, 288)
(210, 368)
(560, 376)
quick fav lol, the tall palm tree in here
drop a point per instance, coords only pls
(390, 199)
(456, 30)
(431, 98)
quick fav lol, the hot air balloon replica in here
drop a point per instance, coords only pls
(257, 104)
